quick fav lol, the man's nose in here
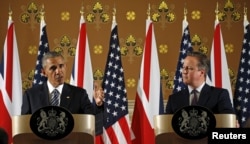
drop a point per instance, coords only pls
(57, 70)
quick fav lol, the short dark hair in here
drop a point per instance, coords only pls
(50, 54)
(203, 61)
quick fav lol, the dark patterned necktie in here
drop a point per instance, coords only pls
(55, 97)
(195, 97)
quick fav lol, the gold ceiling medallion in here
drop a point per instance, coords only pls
(65, 16)
(230, 13)
(130, 15)
(98, 49)
(30, 15)
(131, 83)
(131, 47)
(229, 48)
(163, 14)
(163, 48)
(97, 15)
(196, 15)
(32, 50)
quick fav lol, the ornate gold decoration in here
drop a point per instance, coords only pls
(97, 15)
(65, 16)
(170, 84)
(98, 49)
(30, 14)
(131, 82)
(203, 49)
(131, 47)
(27, 80)
(164, 74)
(65, 46)
(130, 15)
(163, 48)
(197, 42)
(98, 74)
(196, 15)
(124, 50)
(233, 77)
(230, 13)
(26, 84)
(163, 14)
(32, 50)
(229, 48)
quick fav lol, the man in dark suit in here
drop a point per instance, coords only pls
(194, 72)
(73, 98)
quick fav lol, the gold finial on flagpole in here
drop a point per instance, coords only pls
(114, 14)
(185, 13)
(10, 13)
(217, 11)
(148, 12)
(245, 12)
(42, 12)
(82, 10)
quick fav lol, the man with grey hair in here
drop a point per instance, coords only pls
(197, 92)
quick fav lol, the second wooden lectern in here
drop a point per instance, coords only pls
(164, 132)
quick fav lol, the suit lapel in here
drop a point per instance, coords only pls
(204, 95)
(66, 96)
(186, 97)
(44, 95)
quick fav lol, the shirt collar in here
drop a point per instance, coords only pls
(51, 88)
(190, 89)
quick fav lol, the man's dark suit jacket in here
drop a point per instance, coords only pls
(73, 98)
(215, 99)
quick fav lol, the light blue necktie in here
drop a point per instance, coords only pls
(55, 97)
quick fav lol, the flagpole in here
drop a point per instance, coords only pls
(245, 12)
(148, 11)
(185, 13)
(114, 15)
(217, 12)
(10, 14)
(42, 12)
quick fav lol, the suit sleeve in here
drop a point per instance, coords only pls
(26, 104)
(169, 106)
(224, 103)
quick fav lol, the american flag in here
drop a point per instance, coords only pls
(10, 81)
(116, 120)
(185, 47)
(82, 75)
(39, 78)
(242, 95)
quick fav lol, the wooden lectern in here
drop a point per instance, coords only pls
(83, 131)
(164, 132)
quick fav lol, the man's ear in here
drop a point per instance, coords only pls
(43, 72)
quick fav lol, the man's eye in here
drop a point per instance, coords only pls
(61, 65)
(53, 68)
